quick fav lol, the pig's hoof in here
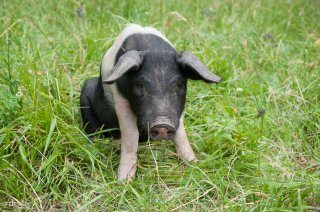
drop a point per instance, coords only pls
(127, 175)
(192, 159)
(188, 158)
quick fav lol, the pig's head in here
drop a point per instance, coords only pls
(155, 84)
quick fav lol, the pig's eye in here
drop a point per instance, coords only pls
(139, 85)
(179, 85)
(179, 88)
(139, 88)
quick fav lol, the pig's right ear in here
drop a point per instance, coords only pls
(194, 68)
(127, 62)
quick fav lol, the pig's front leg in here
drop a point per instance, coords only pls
(182, 143)
(129, 138)
(128, 160)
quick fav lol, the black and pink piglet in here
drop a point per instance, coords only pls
(141, 90)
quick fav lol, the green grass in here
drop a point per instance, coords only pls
(266, 51)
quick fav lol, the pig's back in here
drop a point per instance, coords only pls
(144, 42)
(134, 37)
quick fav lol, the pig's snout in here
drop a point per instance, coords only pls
(162, 132)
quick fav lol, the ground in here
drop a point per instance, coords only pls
(256, 134)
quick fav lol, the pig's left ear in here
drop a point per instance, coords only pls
(127, 62)
(194, 68)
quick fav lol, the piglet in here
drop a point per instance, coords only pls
(141, 90)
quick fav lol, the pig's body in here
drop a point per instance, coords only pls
(142, 91)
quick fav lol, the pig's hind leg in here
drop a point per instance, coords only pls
(90, 121)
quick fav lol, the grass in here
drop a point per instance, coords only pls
(256, 134)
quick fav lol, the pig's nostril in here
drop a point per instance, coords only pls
(161, 132)
(154, 133)
(171, 133)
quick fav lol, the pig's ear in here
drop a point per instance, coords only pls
(194, 68)
(127, 62)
